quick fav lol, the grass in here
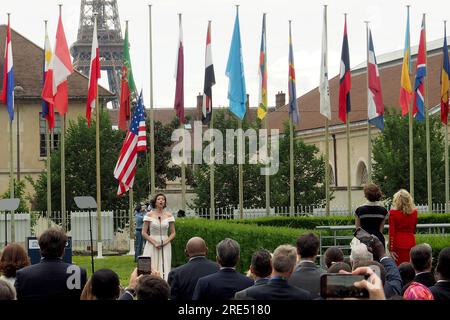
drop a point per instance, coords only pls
(122, 265)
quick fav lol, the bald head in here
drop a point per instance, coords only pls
(196, 246)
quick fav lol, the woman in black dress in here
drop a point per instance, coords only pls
(371, 216)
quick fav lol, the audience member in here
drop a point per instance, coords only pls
(338, 266)
(14, 258)
(130, 292)
(372, 216)
(182, 280)
(278, 288)
(105, 285)
(407, 273)
(7, 291)
(333, 255)
(441, 290)
(86, 294)
(417, 291)
(421, 257)
(152, 288)
(402, 226)
(359, 252)
(307, 274)
(260, 271)
(51, 278)
(223, 284)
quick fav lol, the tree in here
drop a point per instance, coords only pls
(81, 166)
(19, 192)
(309, 174)
(391, 157)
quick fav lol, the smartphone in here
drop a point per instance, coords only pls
(363, 236)
(337, 285)
(144, 265)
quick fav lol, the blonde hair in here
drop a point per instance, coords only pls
(403, 201)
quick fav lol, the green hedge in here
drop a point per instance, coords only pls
(250, 238)
(312, 222)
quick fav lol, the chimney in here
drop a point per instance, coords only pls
(247, 106)
(280, 99)
(199, 106)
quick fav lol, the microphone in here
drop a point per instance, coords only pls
(162, 249)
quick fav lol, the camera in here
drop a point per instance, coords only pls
(337, 285)
(144, 265)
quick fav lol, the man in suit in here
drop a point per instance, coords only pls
(182, 280)
(441, 290)
(260, 269)
(420, 257)
(51, 278)
(307, 274)
(223, 284)
(278, 288)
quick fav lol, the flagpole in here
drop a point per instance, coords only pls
(446, 144)
(183, 164)
(48, 133)
(152, 119)
(291, 150)
(349, 180)
(369, 131)
(211, 177)
(266, 126)
(427, 122)
(241, 174)
(410, 129)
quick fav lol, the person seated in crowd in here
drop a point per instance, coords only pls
(338, 266)
(87, 294)
(417, 291)
(333, 255)
(307, 274)
(407, 273)
(183, 279)
(13, 258)
(260, 271)
(105, 285)
(421, 256)
(223, 284)
(372, 216)
(441, 290)
(130, 292)
(277, 288)
(7, 291)
(152, 288)
(51, 278)
(359, 252)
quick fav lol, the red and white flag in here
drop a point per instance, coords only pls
(55, 89)
(94, 75)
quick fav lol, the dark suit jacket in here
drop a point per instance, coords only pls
(441, 290)
(307, 276)
(277, 289)
(242, 295)
(393, 280)
(221, 285)
(426, 278)
(182, 280)
(50, 279)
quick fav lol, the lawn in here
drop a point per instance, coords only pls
(122, 265)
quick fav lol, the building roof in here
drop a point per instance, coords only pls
(390, 72)
(28, 61)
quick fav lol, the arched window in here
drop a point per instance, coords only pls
(331, 175)
(361, 174)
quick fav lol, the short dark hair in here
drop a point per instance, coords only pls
(372, 192)
(153, 201)
(308, 245)
(105, 284)
(52, 243)
(332, 255)
(443, 265)
(420, 256)
(406, 272)
(228, 251)
(14, 257)
(261, 263)
(152, 288)
(338, 266)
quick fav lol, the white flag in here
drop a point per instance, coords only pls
(324, 88)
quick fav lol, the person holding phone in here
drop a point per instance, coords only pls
(402, 226)
(371, 216)
(158, 244)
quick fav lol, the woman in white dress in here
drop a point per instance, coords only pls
(157, 246)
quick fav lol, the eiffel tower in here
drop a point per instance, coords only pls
(110, 41)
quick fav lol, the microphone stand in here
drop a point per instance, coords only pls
(162, 248)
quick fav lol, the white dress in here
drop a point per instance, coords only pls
(157, 231)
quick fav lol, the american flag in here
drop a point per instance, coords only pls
(135, 141)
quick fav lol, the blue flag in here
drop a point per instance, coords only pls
(237, 94)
